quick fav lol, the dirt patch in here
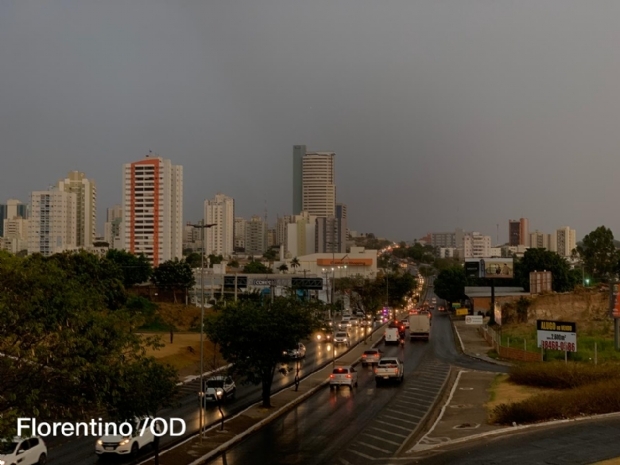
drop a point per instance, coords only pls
(503, 391)
(184, 353)
(615, 461)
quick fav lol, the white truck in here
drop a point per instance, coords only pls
(391, 336)
(420, 326)
(389, 369)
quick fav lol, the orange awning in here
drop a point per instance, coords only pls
(346, 261)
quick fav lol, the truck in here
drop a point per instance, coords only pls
(392, 335)
(419, 326)
(389, 369)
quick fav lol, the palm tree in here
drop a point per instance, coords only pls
(283, 268)
(295, 264)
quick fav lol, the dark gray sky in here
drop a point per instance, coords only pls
(442, 114)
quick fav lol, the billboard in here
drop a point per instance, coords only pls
(614, 299)
(557, 335)
(489, 268)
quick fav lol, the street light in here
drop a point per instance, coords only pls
(202, 227)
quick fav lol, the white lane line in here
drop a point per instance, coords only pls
(388, 432)
(380, 438)
(394, 426)
(360, 454)
(372, 447)
(402, 413)
(400, 419)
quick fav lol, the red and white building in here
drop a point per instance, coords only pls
(153, 209)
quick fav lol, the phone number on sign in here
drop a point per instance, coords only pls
(555, 345)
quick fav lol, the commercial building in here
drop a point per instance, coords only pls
(53, 222)
(153, 209)
(85, 191)
(220, 238)
(357, 262)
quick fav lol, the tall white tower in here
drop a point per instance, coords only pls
(85, 191)
(319, 184)
(220, 239)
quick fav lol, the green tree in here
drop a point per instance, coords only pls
(194, 260)
(544, 260)
(599, 254)
(283, 267)
(253, 335)
(215, 259)
(233, 264)
(295, 264)
(136, 268)
(450, 284)
(256, 267)
(174, 275)
(64, 352)
(270, 255)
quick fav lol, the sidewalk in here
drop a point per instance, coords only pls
(195, 451)
(472, 343)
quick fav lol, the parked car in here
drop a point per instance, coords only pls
(219, 387)
(343, 376)
(25, 451)
(296, 352)
(371, 357)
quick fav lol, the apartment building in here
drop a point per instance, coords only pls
(220, 238)
(256, 236)
(85, 191)
(52, 226)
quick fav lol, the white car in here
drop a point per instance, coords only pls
(121, 445)
(341, 337)
(219, 387)
(25, 451)
(345, 323)
(354, 321)
(343, 376)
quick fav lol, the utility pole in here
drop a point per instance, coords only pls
(235, 286)
(202, 227)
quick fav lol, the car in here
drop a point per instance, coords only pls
(345, 323)
(130, 444)
(342, 337)
(25, 451)
(354, 321)
(371, 357)
(296, 352)
(324, 335)
(219, 388)
(441, 308)
(343, 376)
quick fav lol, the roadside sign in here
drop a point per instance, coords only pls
(456, 305)
(557, 335)
(462, 311)
(473, 320)
(614, 300)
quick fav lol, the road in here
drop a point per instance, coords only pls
(82, 450)
(365, 424)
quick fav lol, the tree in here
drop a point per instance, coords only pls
(252, 336)
(545, 260)
(136, 268)
(599, 254)
(64, 352)
(283, 267)
(194, 260)
(174, 275)
(450, 284)
(234, 264)
(256, 267)
(270, 255)
(295, 264)
(215, 259)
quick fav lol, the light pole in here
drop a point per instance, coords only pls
(202, 227)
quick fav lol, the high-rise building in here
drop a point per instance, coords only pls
(299, 151)
(518, 232)
(539, 240)
(112, 227)
(86, 206)
(240, 224)
(271, 237)
(53, 222)
(301, 235)
(341, 214)
(153, 209)
(12, 209)
(282, 230)
(566, 241)
(475, 245)
(220, 238)
(255, 236)
(443, 239)
(331, 235)
(318, 183)
(15, 234)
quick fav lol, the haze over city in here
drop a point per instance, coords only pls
(441, 114)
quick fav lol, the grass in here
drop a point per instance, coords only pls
(560, 375)
(504, 391)
(522, 336)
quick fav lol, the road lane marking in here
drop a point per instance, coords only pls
(400, 419)
(388, 432)
(360, 454)
(406, 414)
(372, 447)
(380, 438)
(393, 425)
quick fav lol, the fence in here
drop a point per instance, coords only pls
(511, 353)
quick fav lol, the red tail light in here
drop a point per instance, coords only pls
(331, 376)
(364, 356)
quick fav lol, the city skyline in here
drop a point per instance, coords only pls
(442, 115)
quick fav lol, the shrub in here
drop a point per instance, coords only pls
(591, 399)
(560, 375)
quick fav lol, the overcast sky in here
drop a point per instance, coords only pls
(442, 114)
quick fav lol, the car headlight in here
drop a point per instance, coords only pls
(219, 392)
(99, 442)
(2, 462)
(123, 442)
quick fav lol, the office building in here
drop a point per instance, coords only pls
(220, 238)
(85, 191)
(153, 209)
(255, 236)
(52, 227)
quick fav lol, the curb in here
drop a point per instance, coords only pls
(489, 360)
(189, 379)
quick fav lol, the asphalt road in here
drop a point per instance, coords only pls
(82, 450)
(365, 424)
